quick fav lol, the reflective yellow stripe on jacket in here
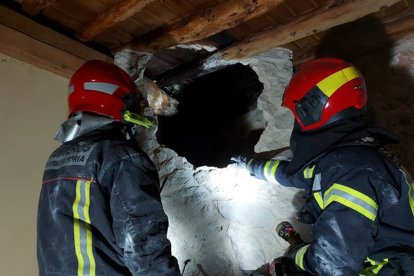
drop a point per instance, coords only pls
(308, 172)
(411, 197)
(300, 254)
(270, 170)
(82, 229)
(374, 269)
(351, 198)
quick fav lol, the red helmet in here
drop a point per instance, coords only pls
(323, 91)
(102, 88)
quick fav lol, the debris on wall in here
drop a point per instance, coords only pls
(223, 221)
(134, 63)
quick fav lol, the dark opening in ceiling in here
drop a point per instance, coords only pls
(208, 128)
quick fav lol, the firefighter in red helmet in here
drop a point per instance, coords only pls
(100, 211)
(359, 199)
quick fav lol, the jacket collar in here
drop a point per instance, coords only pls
(79, 124)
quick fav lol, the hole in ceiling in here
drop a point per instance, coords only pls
(209, 127)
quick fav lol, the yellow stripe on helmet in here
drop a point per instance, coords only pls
(330, 84)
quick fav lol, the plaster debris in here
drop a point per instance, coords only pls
(134, 63)
(224, 220)
(196, 47)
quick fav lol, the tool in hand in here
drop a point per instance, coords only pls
(285, 231)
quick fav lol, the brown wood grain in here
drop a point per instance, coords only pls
(34, 7)
(320, 20)
(111, 17)
(225, 15)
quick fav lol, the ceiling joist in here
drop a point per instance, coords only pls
(46, 35)
(223, 16)
(320, 20)
(111, 17)
(395, 28)
(44, 48)
(34, 7)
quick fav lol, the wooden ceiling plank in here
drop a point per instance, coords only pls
(319, 20)
(315, 5)
(34, 7)
(223, 16)
(111, 17)
(23, 47)
(42, 55)
(396, 28)
(46, 35)
(274, 37)
(291, 11)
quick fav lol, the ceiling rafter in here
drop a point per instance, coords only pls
(395, 28)
(319, 20)
(223, 16)
(34, 7)
(111, 17)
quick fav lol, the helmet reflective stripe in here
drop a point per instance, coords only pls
(104, 87)
(71, 89)
(330, 84)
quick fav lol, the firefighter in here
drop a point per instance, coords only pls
(359, 199)
(100, 211)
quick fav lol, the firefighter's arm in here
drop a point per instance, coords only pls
(273, 171)
(343, 234)
(139, 222)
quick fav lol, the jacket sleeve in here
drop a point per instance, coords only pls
(344, 232)
(274, 171)
(139, 221)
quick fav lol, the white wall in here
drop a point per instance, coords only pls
(32, 105)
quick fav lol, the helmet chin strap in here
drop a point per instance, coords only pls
(137, 119)
(79, 124)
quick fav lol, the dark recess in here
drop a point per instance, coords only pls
(208, 129)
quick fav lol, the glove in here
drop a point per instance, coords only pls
(282, 266)
(240, 161)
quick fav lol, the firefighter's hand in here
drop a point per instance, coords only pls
(282, 266)
(240, 161)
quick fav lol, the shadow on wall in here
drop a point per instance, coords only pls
(366, 44)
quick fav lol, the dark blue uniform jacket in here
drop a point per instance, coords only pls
(361, 205)
(100, 211)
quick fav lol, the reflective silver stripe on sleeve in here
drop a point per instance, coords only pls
(316, 189)
(104, 87)
(317, 183)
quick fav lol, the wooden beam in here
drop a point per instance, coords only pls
(226, 15)
(112, 16)
(32, 43)
(34, 7)
(42, 55)
(48, 36)
(315, 22)
(396, 28)
(23, 47)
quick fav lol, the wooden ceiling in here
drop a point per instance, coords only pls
(58, 35)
